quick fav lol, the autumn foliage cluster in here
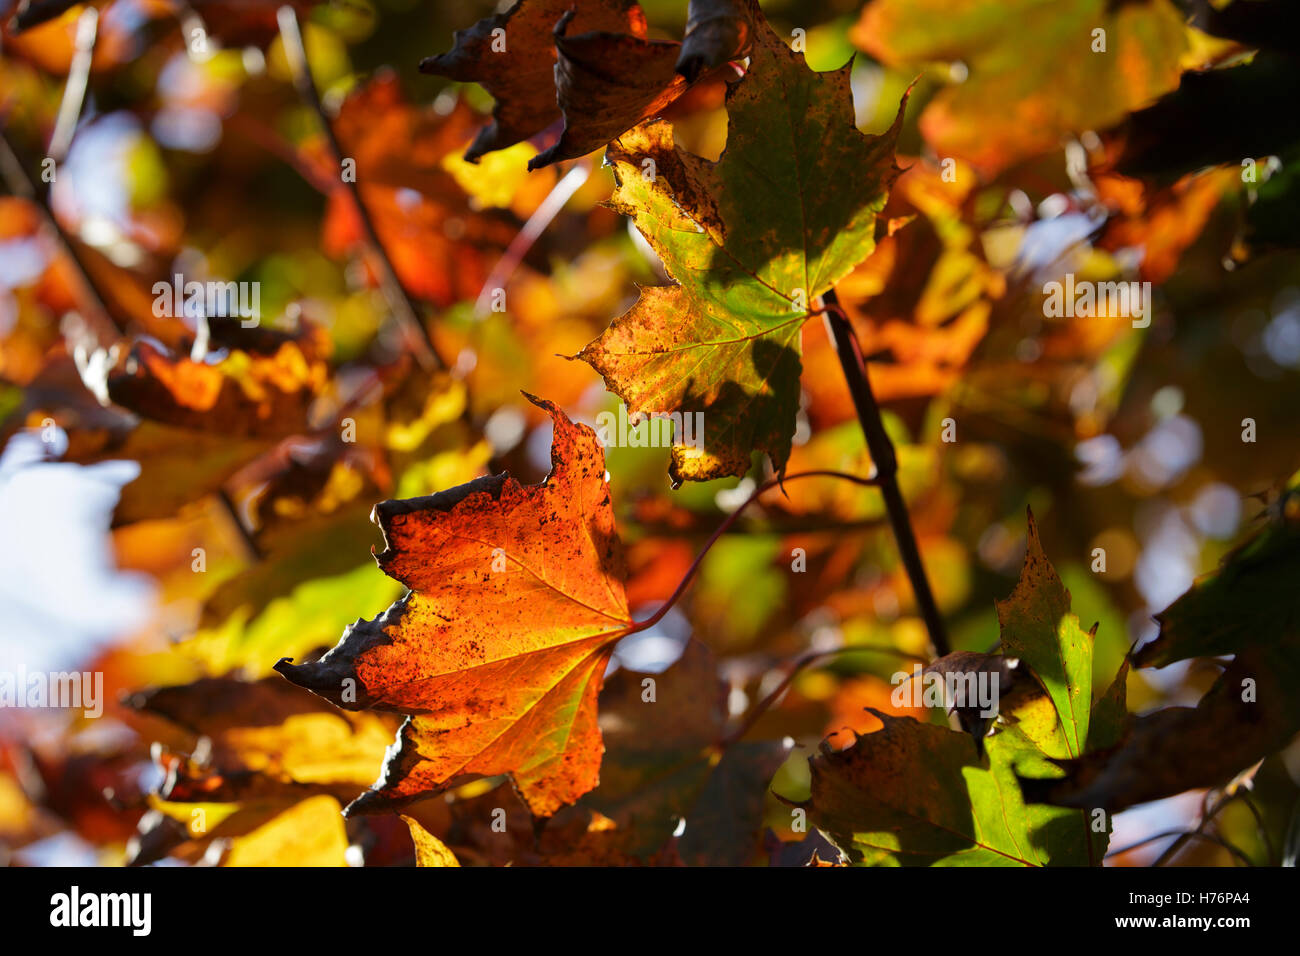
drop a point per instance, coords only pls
(822, 237)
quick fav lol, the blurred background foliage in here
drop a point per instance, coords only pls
(206, 162)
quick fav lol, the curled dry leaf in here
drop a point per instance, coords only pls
(605, 84)
(716, 31)
(512, 55)
(588, 62)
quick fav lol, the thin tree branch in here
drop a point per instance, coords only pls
(795, 667)
(102, 324)
(1207, 816)
(886, 462)
(74, 90)
(1183, 837)
(722, 529)
(399, 300)
(533, 228)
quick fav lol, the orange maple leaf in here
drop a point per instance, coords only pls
(499, 649)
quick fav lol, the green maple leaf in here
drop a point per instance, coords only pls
(914, 794)
(921, 794)
(1038, 628)
(751, 241)
(1248, 609)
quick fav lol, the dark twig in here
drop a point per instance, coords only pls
(1183, 837)
(793, 670)
(886, 462)
(395, 293)
(1207, 815)
(727, 523)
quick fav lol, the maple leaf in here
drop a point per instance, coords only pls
(266, 738)
(499, 649)
(196, 419)
(1038, 628)
(310, 833)
(1022, 94)
(1247, 608)
(177, 465)
(665, 763)
(751, 240)
(866, 798)
(982, 809)
(1249, 713)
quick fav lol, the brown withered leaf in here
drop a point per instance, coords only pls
(605, 84)
(962, 672)
(513, 55)
(498, 651)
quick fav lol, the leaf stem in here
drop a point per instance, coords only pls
(882, 453)
(727, 523)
